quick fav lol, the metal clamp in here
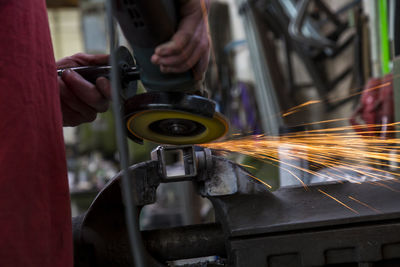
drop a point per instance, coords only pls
(182, 163)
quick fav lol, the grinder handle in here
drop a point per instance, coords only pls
(90, 73)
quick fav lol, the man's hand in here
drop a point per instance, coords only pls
(189, 48)
(80, 99)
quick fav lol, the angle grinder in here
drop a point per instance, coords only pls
(173, 110)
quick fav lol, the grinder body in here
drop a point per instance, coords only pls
(147, 24)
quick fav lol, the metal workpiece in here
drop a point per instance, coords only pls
(204, 163)
(182, 158)
(214, 176)
(228, 178)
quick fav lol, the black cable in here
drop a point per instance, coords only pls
(131, 210)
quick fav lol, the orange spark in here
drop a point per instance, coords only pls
(364, 204)
(337, 200)
(342, 154)
(298, 107)
(322, 122)
(248, 166)
(289, 113)
(261, 181)
(384, 185)
(311, 102)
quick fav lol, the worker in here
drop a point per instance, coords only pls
(35, 219)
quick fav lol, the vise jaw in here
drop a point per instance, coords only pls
(212, 175)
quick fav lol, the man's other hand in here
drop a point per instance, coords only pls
(80, 99)
(189, 47)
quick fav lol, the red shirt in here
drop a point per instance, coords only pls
(35, 219)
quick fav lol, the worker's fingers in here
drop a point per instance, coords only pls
(197, 38)
(80, 99)
(196, 50)
(189, 45)
(74, 118)
(181, 67)
(190, 34)
(72, 100)
(83, 59)
(75, 110)
(104, 87)
(198, 59)
(200, 68)
(177, 44)
(176, 58)
(87, 92)
(190, 28)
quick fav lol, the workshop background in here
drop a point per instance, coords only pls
(268, 59)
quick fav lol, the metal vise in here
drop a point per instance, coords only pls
(254, 227)
(100, 237)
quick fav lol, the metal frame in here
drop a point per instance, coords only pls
(285, 21)
(266, 96)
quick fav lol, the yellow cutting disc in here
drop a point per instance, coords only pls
(176, 127)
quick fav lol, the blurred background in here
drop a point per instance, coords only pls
(277, 66)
